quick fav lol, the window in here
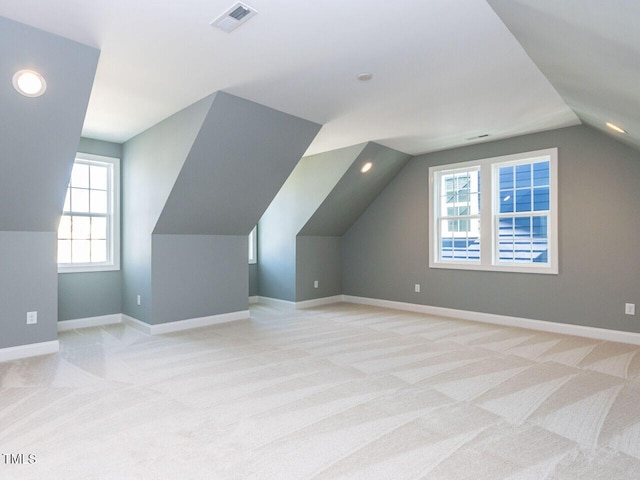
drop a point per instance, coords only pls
(253, 245)
(495, 214)
(89, 230)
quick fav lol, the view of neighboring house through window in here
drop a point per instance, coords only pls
(88, 234)
(496, 214)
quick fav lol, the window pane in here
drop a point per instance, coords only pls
(506, 201)
(64, 228)
(98, 251)
(460, 240)
(98, 201)
(80, 175)
(80, 251)
(523, 239)
(64, 251)
(81, 228)
(523, 175)
(79, 200)
(523, 200)
(99, 177)
(506, 178)
(541, 174)
(541, 198)
(98, 228)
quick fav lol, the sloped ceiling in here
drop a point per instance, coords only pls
(445, 72)
(355, 191)
(39, 136)
(590, 52)
(240, 158)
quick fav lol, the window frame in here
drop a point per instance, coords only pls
(489, 244)
(113, 218)
(253, 246)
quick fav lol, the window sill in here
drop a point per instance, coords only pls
(542, 269)
(88, 268)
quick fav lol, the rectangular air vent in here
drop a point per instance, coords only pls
(234, 17)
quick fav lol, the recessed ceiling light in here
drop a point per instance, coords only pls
(616, 128)
(366, 167)
(29, 83)
(364, 76)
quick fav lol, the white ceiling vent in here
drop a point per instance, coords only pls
(234, 17)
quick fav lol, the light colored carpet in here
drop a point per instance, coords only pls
(338, 392)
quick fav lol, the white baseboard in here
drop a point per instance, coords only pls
(26, 351)
(276, 302)
(254, 299)
(66, 325)
(540, 325)
(316, 302)
(187, 324)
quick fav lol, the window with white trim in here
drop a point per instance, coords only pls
(89, 230)
(496, 214)
(253, 245)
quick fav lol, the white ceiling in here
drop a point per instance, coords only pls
(444, 70)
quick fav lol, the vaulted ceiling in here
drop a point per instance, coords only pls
(445, 72)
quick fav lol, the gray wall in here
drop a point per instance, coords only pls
(27, 283)
(91, 294)
(198, 275)
(386, 251)
(318, 258)
(304, 191)
(151, 164)
(194, 187)
(253, 280)
(38, 141)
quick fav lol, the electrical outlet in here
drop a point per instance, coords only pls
(630, 308)
(32, 318)
(417, 288)
(138, 300)
(315, 284)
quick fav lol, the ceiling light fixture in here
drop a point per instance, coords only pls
(366, 167)
(29, 83)
(616, 128)
(364, 76)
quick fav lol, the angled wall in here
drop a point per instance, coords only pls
(91, 294)
(185, 234)
(38, 140)
(300, 234)
(385, 252)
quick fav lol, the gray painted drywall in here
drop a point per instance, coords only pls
(150, 165)
(39, 136)
(91, 294)
(386, 250)
(100, 147)
(318, 258)
(27, 283)
(198, 275)
(588, 51)
(253, 280)
(238, 162)
(304, 191)
(38, 141)
(355, 191)
(197, 183)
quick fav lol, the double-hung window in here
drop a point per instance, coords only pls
(496, 214)
(89, 233)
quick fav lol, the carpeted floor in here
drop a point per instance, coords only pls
(338, 392)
